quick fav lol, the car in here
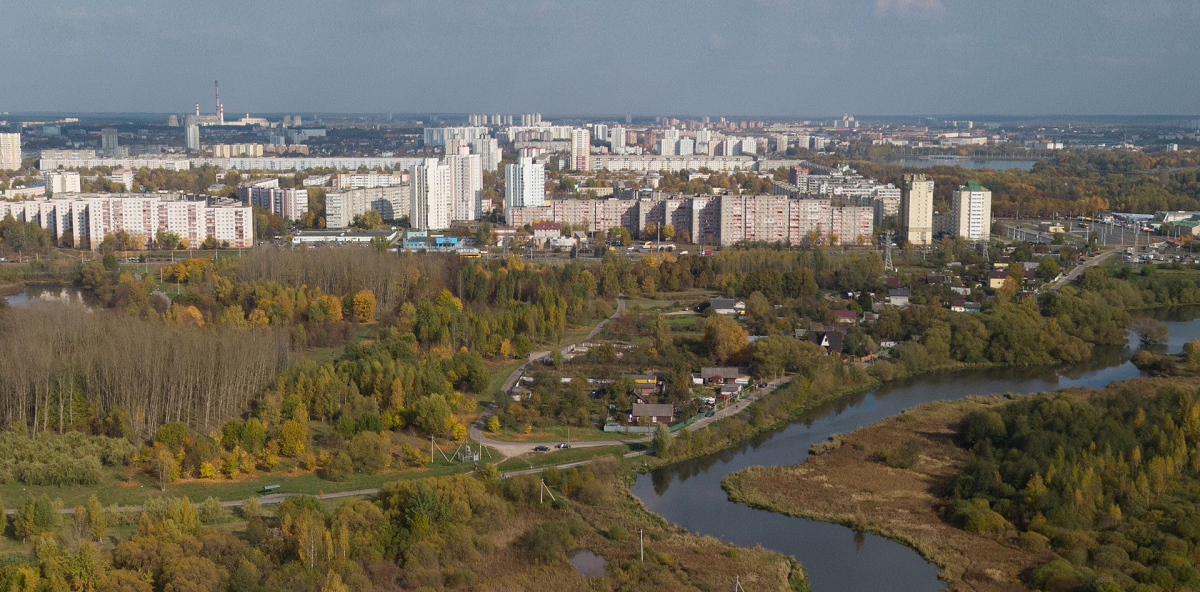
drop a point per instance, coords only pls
(541, 449)
(563, 446)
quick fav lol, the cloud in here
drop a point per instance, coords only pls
(908, 7)
(716, 41)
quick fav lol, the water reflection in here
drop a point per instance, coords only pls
(837, 558)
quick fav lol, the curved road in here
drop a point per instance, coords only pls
(517, 448)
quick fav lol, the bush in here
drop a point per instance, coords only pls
(904, 456)
(210, 510)
(617, 533)
(369, 452)
(551, 542)
(340, 468)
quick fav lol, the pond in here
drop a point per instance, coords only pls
(48, 293)
(588, 563)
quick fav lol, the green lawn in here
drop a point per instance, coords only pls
(117, 490)
(560, 434)
(561, 457)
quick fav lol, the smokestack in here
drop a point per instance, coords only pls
(197, 109)
(220, 107)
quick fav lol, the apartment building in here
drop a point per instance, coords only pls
(342, 206)
(916, 210)
(83, 220)
(971, 212)
(291, 204)
(430, 207)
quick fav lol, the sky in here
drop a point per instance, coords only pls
(792, 58)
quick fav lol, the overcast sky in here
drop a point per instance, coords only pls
(649, 57)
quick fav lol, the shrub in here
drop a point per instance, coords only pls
(904, 456)
(210, 510)
(340, 468)
(551, 542)
(617, 533)
(369, 452)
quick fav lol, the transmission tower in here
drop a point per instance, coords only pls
(887, 262)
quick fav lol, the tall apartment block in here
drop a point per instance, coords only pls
(916, 210)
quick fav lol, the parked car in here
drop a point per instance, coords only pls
(541, 448)
(563, 446)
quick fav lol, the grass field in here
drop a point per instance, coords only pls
(562, 457)
(560, 434)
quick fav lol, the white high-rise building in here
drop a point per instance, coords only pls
(10, 152)
(971, 212)
(430, 206)
(108, 138)
(616, 136)
(489, 152)
(192, 137)
(581, 149)
(600, 131)
(686, 147)
(916, 210)
(466, 185)
(58, 182)
(524, 186)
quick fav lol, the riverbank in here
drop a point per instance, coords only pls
(853, 486)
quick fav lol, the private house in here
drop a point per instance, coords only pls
(643, 384)
(546, 230)
(996, 278)
(713, 376)
(828, 337)
(846, 317)
(898, 297)
(727, 306)
(653, 412)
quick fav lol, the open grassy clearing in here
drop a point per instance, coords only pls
(562, 457)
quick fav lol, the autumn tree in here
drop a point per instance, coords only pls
(364, 306)
(725, 339)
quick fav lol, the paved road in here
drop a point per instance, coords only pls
(1079, 269)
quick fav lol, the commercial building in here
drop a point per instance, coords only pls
(430, 207)
(524, 185)
(290, 204)
(59, 182)
(83, 220)
(10, 152)
(971, 212)
(916, 210)
(581, 149)
(342, 206)
(122, 177)
(466, 185)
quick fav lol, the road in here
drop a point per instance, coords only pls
(1079, 269)
(507, 449)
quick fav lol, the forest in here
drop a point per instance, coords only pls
(1084, 182)
(1109, 483)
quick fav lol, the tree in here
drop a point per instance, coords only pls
(192, 574)
(1150, 331)
(432, 415)
(369, 452)
(725, 340)
(96, 519)
(662, 335)
(668, 231)
(651, 231)
(662, 439)
(293, 438)
(364, 306)
(493, 424)
(368, 220)
(39, 515)
(1048, 269)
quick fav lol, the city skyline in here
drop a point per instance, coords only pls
(812, 58)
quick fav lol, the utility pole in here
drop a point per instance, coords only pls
(642, 543)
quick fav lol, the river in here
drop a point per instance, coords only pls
(837, 558)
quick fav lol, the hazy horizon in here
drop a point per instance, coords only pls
(754, 58)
